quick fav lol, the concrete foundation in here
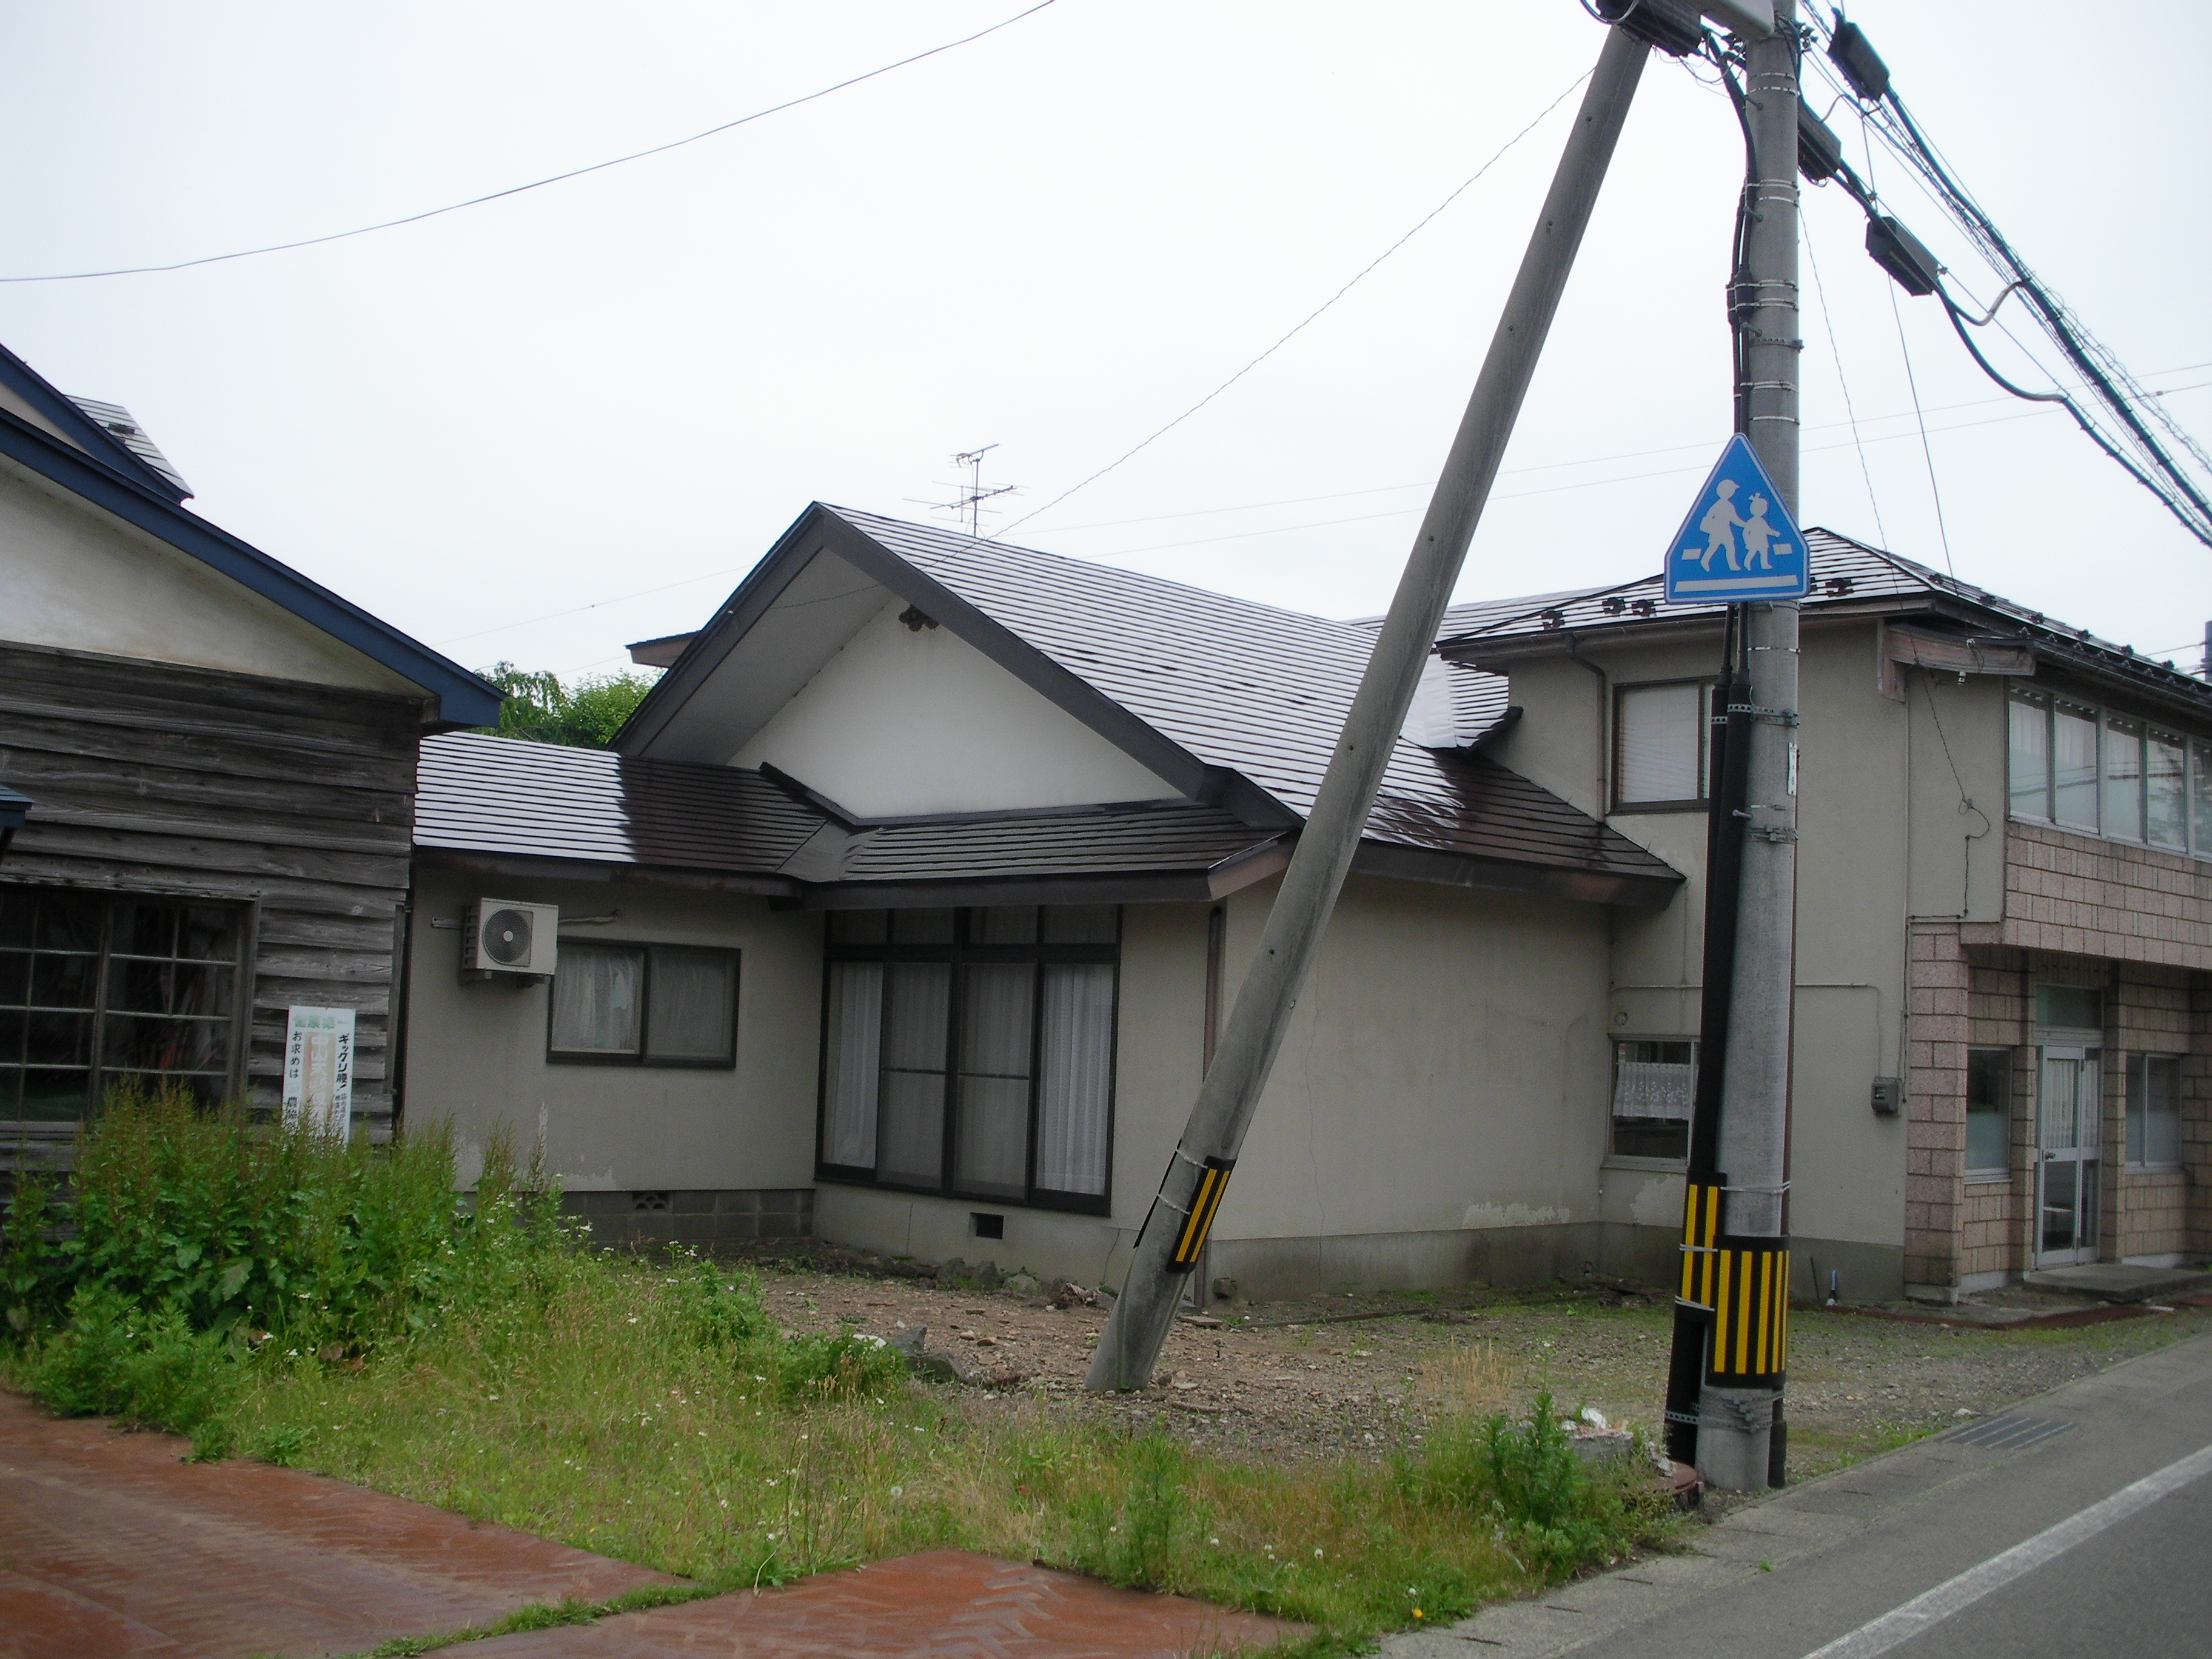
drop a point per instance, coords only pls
(705, 1218)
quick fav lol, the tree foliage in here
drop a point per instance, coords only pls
(585, 715)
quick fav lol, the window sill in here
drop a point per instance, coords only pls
(1989, 1177)
(1637, 806)
(1653, 1166)
(2152, 1169)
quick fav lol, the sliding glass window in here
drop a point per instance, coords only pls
(2107, 774)
(971, 1051)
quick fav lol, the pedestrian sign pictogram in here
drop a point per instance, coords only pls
(1739, 542)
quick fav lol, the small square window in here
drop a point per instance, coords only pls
(1660, 745)
(1654, 1085)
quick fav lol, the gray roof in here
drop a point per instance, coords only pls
(480, 797)
(1846, 575)
(1256, 690)
(120, 421)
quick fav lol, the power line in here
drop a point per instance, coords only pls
(535, 184)
(1310, 316)
(1828, 322)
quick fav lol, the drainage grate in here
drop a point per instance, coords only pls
(2005, 1433)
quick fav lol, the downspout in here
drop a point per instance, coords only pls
(1604, 713)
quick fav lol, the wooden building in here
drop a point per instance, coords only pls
(218, 757)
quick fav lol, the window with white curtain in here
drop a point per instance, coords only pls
(643, 1005)
(971, 1051)
(1661, 745)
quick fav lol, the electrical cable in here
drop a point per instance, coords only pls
(535, 184)
(1828, 322)
(1912, 384)
(2117, 393)
(1309, 318)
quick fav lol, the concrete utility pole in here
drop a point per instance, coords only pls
(1190, 1192)
(1737, 1438)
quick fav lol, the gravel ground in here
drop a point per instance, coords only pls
(1359, 1374)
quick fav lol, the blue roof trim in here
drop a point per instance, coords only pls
(34, 389)
(463, 699)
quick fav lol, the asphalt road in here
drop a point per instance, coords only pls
(1944, 1550)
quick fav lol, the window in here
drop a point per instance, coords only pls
(2108, 774)
(2155, 1109)
(644, 1005)
(2030, 725)
(1660, 748)
(971, 1051)
(94, 989)
(1655, 1082)
(2076, 1010)
(1989, 1111)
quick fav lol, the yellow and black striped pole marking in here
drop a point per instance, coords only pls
(1198, 1220)
(1743, 1283)
(1750, 1311)
(1701, 1230)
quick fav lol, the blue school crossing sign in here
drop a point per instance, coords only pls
(1739, 542)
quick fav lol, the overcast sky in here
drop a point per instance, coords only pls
(1054, 240)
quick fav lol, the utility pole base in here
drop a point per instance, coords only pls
(1734, 1428)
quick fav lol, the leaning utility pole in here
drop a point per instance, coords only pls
(1175, 1232)
(1740, 1438)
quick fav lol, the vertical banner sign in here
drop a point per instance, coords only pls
(318, 1070)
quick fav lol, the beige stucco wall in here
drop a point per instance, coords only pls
(74, 577)
(476, 1053)
(905, 720)
(1882, 833)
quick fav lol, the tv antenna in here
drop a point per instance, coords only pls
(967, 504)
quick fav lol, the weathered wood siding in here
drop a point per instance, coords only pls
(297, 799)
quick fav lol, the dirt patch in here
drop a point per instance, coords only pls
(1330, 1375)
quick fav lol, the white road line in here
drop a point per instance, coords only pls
(1901, 1625)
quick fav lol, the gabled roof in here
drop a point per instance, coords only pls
(90, 432)
(1238, 704)
(99, 466)
(1848, 576)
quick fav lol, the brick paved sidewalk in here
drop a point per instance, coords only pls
(112, 1548)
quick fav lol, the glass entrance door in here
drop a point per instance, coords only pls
(2066, 1158)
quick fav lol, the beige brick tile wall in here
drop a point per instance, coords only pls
(2082, 896)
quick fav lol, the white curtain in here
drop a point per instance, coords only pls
(1661, 743)
(991, 1141)
(595, 999)
(856, 1036)
(1645, 1088)
(692, 1005)
(910, 1143)
(1075, 1080)
(2074, 766)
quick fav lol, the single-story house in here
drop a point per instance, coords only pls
(905, 909)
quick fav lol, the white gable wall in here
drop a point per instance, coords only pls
(72, 577)
(906, 721)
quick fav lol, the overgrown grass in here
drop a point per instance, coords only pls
(476, 1359)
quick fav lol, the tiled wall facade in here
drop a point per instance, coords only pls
(2082, 896)
(1982, 995)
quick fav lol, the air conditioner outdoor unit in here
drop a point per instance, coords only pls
(507, 937)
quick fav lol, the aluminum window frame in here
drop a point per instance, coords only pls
(1614, 1156)
(1700, 802)
(962, 951)
(2195, 775)
(645, 1059)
